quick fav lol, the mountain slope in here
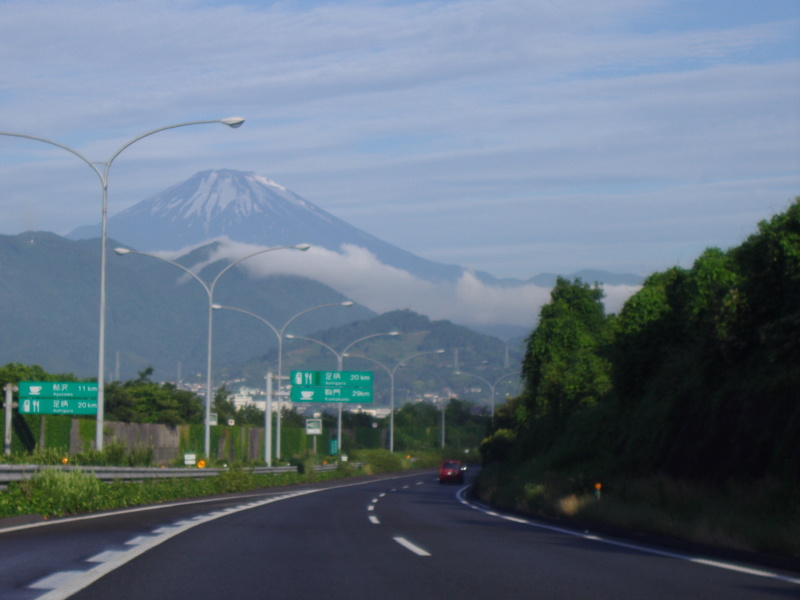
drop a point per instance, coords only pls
(156, 316)
(248, 208)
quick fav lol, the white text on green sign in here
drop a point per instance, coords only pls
(341, 394)
(58, 389)
(50, 406)
(332, 378)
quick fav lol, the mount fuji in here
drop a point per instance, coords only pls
(222, 210)
(250, 209)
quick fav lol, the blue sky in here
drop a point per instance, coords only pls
(514, 137)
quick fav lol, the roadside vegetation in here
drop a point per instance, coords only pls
(53, 492)
(684, 407)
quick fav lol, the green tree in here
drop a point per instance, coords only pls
(222, 406)
(646, 332)
(144, 401)
(564, 368)
(16, 372)
(417, 414)
(769, 261)
(250, 415)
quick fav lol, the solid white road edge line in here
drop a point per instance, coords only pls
(78, 580)
(71, 582)
(693, 559)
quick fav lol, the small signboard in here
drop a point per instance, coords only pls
(313, 426)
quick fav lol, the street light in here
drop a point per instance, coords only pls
(339, 359)
(209, 288)
(279, 333)
(232, 122)
(491, 385)
(391, 385)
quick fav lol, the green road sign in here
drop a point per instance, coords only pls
(57, 398)
(340, 394)
(50, 406)
(68, 390)
(331, 378)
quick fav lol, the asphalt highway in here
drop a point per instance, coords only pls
(384, 537)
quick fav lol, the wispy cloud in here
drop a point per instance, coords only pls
(358, 275)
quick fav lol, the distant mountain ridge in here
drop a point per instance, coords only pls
(247, 208)
(252, 209)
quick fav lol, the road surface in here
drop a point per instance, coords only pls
(388, 537)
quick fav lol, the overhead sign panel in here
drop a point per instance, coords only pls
(332, 378)
(341, 394)
(331, 386)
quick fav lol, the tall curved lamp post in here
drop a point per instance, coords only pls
(339, 359)
(279, 333)
(486, 381)
(391, 373)
(209, 288)
(233, 122)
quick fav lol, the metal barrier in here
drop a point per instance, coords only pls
(10, 473)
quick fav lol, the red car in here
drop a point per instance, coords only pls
(451, 470)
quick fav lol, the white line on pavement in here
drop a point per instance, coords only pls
(410, 546)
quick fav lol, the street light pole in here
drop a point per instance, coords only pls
(232, 122)
(391, 385)
(339, 359)
(279, 333)
(209, 288)
(491, 385)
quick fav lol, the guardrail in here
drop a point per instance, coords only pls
(10, 473)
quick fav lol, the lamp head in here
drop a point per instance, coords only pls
(393, 333)
(232, 122)
(216, 306)
(122, 251)
(347, 303)
(302, 247)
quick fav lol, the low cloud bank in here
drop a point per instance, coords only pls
(360, 276)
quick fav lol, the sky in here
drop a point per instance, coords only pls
(515, 137)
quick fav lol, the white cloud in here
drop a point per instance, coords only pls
(359, 276)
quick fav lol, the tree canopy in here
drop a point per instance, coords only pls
(696, 377)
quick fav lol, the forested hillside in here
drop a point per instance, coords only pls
(697, 377)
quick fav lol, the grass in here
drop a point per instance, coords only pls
(53, 492)
(763, 517)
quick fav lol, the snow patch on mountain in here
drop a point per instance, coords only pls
(251, 209)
